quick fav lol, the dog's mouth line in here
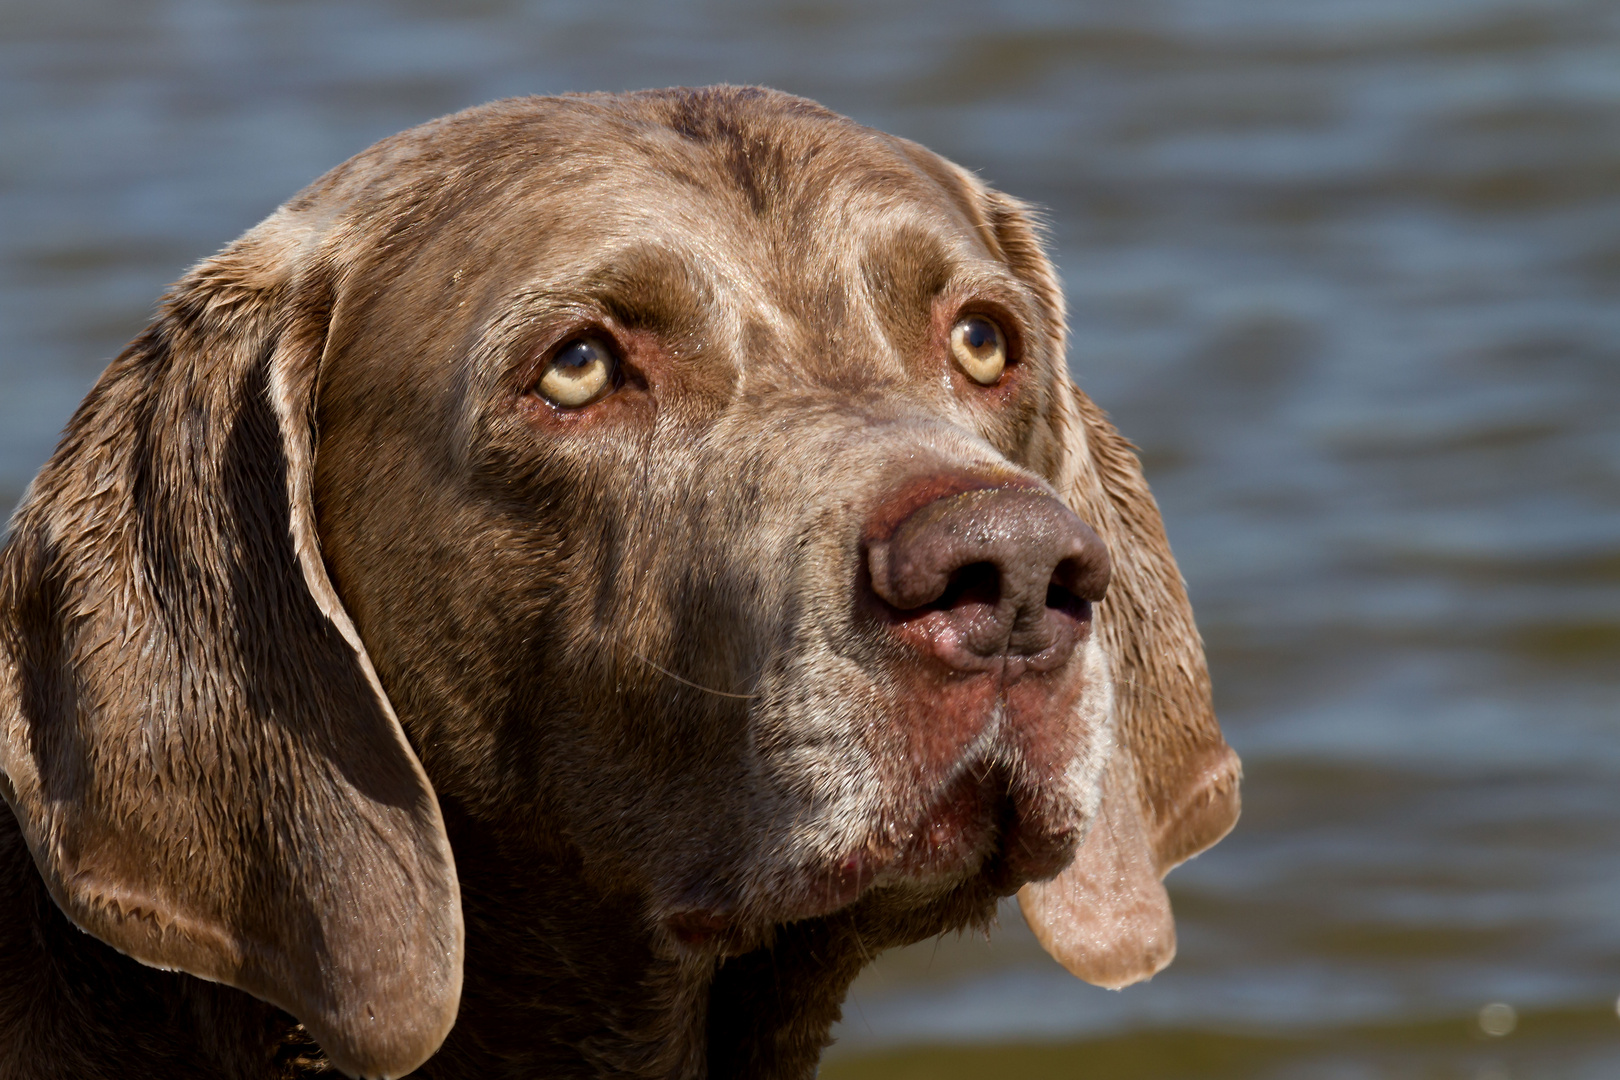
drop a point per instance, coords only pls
(985, 818)
(977, 827)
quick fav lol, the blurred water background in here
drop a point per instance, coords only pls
(1346, 270)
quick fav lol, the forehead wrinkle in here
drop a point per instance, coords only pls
(815, 297)
(863, 316)
(758, 276)
(915, 204)
(905, 259)
(776, 265)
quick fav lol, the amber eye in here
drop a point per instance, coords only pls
(979, 348)
(580, 372)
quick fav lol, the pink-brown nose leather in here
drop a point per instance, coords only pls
(1012, 573)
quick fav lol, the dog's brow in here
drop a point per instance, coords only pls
(905, 268)
(651, 286)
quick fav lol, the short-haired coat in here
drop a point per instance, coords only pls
(562, 594)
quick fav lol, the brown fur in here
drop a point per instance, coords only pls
(315, 592)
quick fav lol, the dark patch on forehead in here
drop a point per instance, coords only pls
(759, 341)
(693, 109)
(752, 160)
(904, 270)
(744, 126)
(707, 114)
(906, 267)
(827, 308)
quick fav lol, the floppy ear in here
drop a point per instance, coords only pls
(192, 737)
(1170, 787)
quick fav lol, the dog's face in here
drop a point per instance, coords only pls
(700, 473)
(671, 405)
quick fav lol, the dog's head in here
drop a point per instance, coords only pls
(686, 481)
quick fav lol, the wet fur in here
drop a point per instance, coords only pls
(312, 596)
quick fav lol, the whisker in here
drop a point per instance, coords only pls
(685, 682)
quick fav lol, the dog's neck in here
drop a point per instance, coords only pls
(562, 980)
(559, 981)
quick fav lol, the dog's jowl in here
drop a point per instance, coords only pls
(563, 592)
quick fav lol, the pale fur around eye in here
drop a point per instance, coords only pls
(581, 372)
(979, 348)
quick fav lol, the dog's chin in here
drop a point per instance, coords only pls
(978, 832)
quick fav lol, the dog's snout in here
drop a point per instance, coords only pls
(994, 572)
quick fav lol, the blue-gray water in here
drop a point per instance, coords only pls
(1346, 270)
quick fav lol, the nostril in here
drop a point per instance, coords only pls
(1085, 575)
(1062, 600)
(975, 583)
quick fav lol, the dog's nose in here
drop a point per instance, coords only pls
(1010, 572)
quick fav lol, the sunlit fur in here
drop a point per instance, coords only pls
(317, 592)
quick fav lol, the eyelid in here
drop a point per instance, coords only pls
(1005, 312)
(540, 349)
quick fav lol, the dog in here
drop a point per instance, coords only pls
(561, 595)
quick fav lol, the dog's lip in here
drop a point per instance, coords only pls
(950, 840)
(983, 820)
(975, 828)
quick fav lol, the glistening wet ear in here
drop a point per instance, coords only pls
(193, 740)
(1107, 917)
(1171, 788)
